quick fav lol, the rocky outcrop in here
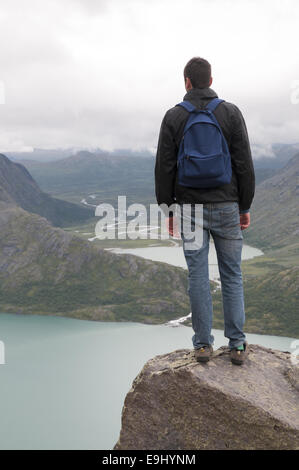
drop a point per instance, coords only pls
(176, 403)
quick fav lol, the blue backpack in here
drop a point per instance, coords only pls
(203, 159)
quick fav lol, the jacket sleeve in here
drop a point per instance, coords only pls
(242, 161)
(166, 165)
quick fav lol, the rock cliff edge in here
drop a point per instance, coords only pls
(176, 403)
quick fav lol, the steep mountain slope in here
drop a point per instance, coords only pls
(275, 221)
(272, 303)
(17, 186)
(46, 270)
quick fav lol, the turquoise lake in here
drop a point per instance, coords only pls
(65, 380)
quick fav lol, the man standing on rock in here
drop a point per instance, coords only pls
(204, 159)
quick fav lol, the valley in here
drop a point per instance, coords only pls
(270, 281)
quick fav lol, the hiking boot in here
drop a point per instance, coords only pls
(238, 356)
(203, 354)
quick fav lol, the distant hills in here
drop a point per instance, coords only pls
(274, 156)
(18, 187)
(108, 175)
(47, 155)
(105, 175)
(42, 155)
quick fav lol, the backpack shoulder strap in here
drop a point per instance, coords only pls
(187, 105)
(212, 105)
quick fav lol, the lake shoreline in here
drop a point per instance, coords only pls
(174, 256)
(169, 324)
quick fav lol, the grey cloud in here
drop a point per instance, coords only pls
(103, 73)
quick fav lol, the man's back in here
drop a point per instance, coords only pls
(242, 186)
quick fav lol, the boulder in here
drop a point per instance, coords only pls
(176, 403)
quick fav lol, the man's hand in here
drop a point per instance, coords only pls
(244, 220)
(172, 227)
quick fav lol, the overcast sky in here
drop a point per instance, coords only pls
(102, 73)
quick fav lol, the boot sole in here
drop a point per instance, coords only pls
(237, 363)
(203, 359)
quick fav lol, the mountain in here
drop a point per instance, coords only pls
(274, 211)
(46, 270)
(266, 166)
(272, 302)
(107, 175)
(261, 174)
(175, 403)
(47, 155)
(42, 155)
(281, 153)
(103, 174)
(17, 186)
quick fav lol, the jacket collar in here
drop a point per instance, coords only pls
(196, 94)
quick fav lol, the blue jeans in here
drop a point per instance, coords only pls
(222, 221)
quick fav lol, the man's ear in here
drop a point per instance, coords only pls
(211, 81)
(188, 84)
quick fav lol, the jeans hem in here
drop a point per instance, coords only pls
(203, 345)
(238, 343)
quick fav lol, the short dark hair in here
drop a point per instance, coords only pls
(198, 70)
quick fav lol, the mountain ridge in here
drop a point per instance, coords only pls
(18, 186)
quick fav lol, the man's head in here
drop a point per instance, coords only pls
(197, 74)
